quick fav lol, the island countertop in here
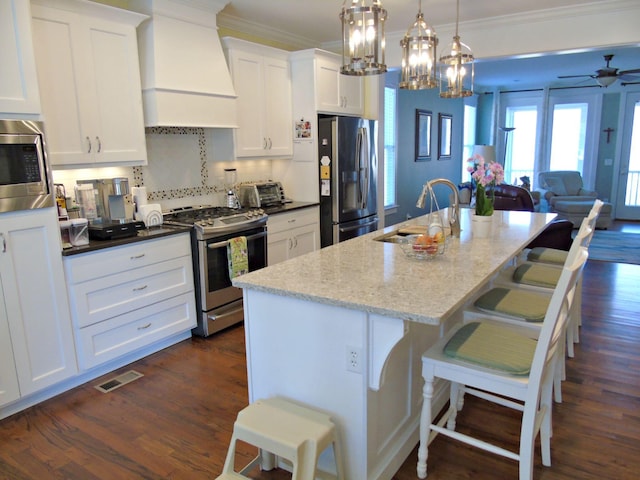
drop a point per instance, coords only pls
(377, 277)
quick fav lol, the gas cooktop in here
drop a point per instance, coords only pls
(209, 220)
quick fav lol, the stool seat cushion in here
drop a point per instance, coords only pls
(529, 306)
(492, 346)
(537, 274)
(547, 255)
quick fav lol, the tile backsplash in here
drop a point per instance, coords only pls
(184, 168)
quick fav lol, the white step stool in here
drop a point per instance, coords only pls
(293, 432)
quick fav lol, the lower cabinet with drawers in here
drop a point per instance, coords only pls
(293, 234)
(127, 297)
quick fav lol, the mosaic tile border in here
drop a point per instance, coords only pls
(202, 189)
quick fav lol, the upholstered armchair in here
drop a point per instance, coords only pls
(563, 185)
(556, 235)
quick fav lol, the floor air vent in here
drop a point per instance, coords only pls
(120, 380)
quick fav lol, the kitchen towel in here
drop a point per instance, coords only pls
(237, 256)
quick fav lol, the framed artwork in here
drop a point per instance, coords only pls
(445, 122)
(423, 135)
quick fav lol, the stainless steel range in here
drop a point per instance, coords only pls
(219, 303)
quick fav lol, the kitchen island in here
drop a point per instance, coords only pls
(343, 329)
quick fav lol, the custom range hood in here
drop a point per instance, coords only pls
(185, 77)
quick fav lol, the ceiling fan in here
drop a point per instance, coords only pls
(607, 75)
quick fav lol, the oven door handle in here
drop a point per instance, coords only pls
(213, 246)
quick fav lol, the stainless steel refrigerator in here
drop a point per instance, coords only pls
(348, 163)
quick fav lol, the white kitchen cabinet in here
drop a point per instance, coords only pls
(337, 93)
(89, 77)
(292, 234)
(9, 389)
(18, 81)
(35, 304)
(128, 297)
(262, 80)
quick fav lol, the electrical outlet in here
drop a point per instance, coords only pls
(354, 359)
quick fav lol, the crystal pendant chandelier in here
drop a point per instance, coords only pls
(456, 67)
(419, 55)
(363, 38)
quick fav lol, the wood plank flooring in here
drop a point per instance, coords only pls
(176, 421)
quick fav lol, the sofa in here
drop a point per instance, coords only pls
(564, 194)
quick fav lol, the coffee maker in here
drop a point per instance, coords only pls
(108, 206)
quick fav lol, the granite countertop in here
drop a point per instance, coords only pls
(141, 236)
(377, 277)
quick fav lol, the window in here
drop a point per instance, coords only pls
(390, 160)
(469, 138)
(567, 136)
(519, 144)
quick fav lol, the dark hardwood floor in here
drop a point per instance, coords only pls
(175, 422)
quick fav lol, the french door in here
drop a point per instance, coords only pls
(628, 196)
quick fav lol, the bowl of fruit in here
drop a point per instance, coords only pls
(424, 246)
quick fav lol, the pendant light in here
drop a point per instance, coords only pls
(419, 55)
(363, 38)
(456, 74)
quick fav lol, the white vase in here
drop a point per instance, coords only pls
(481, 225)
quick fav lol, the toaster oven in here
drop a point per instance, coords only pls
(261, 194)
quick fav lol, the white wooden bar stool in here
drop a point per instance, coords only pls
(288, 430)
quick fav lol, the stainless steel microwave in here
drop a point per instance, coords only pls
(25, 179)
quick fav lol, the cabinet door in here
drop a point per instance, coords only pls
(278, 109)
(305, 240)
(328, 97)
(278, 247)
(35, 298)
(18, 81)
(113, 60)
(90, 86)
(9, 390)
(248, 78)
(352, 93)
(69, 120)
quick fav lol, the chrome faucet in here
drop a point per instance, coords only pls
(454, 212)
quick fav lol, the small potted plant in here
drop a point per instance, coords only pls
(484, 176)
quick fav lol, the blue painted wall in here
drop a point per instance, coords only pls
(412, 175)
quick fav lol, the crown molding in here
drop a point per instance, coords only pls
(294, 42)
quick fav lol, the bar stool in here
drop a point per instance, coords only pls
(288, 430)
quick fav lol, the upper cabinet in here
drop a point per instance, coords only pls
(337, 93)
(18, 81)
(262, 80)
(185, 77)
(89, 77)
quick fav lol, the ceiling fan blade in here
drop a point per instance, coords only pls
(629, 78)
(575, 76)
(624, 72)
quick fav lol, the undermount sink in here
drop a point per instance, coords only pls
(399, 235)
(395, 236)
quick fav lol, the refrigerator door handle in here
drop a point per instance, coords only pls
(360, 225)
(362, 149)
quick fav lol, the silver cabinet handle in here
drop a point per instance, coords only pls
(144, 327)
(89, 142)
(264, 143)
(135, 257)
(270, 143)
(138, 289)
(99, 144)
(4, 243)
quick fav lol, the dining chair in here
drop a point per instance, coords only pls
(500, 364)
(525, 307)
(543, 278)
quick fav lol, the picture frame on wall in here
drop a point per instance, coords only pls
(423, 135)
(445, 127)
